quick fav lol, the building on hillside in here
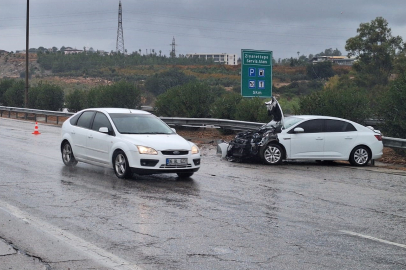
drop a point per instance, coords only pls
(338, 60)
(3, 52)
(69, 50)
(222, 58)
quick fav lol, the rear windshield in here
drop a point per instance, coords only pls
(131, 123)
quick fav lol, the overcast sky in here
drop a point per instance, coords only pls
(199, 26)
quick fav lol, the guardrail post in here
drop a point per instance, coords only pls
(46, 118)
(57, 120)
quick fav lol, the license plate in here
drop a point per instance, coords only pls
(176, 161)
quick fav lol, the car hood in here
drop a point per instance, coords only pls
(159, 141)
(275, 110)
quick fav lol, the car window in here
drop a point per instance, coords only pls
(101, 120)
(131, 123)
(73, 121)
(85, 119)
(338, 126)
(312, 126)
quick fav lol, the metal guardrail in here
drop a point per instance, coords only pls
(211, 123)
(29, 114)
(32, 114)
(394, 142)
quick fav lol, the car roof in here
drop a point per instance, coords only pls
(306, 117)
(117, 110)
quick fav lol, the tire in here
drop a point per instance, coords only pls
(272, 154)
(121, 166)
(67, 155)
(184, 174)
(360, 156)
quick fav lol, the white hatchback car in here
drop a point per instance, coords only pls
(130, 141)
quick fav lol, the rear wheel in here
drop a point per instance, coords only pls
(272, 154)
(184, 174)
(360, 156)
(67, 155)
(121, 166)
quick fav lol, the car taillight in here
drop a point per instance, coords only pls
(378, 137)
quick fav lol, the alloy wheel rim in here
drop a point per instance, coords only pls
(120, 164)
(273, 154)
(361, 156)
(67, 153)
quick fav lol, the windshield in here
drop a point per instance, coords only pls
(290, 121)
(131, 123)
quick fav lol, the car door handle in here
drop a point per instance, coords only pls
(90, 137)
(319, 139)
(72, 132)
(348, 138)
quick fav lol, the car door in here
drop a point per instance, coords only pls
(79, 134)
(98, 144)
(308, 144)
(339, 139)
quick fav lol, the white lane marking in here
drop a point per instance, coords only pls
(374, 239)
(99, 255)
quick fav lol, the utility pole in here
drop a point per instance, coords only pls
(27, 54)
(120, 34)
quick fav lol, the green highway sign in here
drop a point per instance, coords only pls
(256, 73)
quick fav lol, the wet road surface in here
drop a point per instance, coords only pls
(299, 215)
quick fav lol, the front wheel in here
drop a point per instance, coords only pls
(121, 166)
(360, 156)
(272, 154)
(67, 155)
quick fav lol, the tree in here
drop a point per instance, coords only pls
(253, 110)
(188, 100)
(45, 96)
(5, 84)
(14, 95)
(226, 105)
(161, 82)
(322, 70)
(121, 94)
(75, 101)
(393, 109)
(329, 52)
(375, 49)
(341, 97)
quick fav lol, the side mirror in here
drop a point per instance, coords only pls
(104, 130)
(298, 130)
(174, 130)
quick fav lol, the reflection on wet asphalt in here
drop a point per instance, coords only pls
(227, 216)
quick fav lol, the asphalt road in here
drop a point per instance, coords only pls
(299, 215)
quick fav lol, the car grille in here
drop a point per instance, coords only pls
(164, 166)
(175, 152)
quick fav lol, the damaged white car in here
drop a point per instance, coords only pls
(305, 137)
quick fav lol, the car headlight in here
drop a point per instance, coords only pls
(146, 150)
(195, 149)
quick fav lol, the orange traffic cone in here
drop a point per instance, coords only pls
(36, 132)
